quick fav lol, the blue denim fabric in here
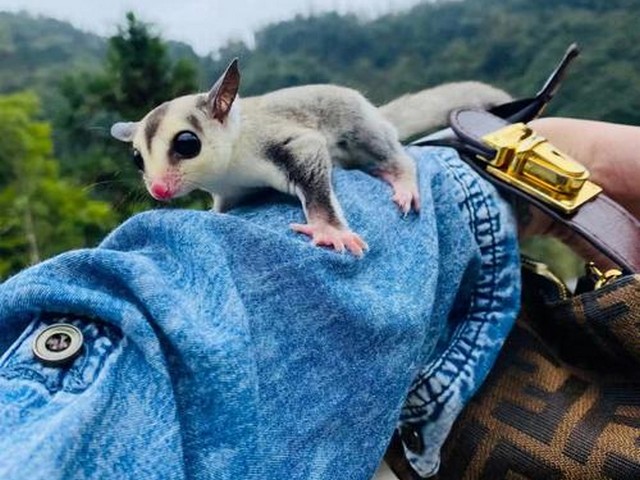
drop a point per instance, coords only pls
(228, 347)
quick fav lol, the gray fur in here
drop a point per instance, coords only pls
(417, 113)
(287, 140)
(302, 131)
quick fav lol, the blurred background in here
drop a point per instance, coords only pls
(66, 76)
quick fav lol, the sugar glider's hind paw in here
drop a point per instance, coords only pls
(328, 235)
(406, 197)
(405, 190)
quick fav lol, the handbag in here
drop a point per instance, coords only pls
(563, 399)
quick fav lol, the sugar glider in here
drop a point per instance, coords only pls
(287, 140)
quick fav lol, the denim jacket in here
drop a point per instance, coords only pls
(225, 346)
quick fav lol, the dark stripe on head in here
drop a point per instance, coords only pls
(202, 104)
(153, 122)
(195, 123)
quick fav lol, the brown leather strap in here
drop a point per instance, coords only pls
(602, 222)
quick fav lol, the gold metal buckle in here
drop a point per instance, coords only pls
(529, 162)
(600, 279)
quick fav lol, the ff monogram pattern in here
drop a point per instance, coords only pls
(563, 400)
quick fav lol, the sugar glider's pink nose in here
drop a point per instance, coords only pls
(161, 191)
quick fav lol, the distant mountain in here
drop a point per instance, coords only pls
(37, 51)
(511, 43)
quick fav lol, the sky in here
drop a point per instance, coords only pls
(204, 24)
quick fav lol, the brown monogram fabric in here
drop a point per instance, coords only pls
(563, 401)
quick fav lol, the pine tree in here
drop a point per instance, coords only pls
(139, 74)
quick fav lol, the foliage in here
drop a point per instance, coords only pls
(40, 213)
(139, 74)
(510, 43)
(36, 51)
(558, 256)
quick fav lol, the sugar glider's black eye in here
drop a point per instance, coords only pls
(186, 144)
(137, 160)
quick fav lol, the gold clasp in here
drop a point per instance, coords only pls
(598, 278)
(529, 162)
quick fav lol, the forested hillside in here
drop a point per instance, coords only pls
(36, 52)
(85, 82)
(510, 43)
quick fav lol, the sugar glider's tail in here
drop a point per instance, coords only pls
(420, 112)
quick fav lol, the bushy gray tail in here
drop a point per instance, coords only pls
(420, 112)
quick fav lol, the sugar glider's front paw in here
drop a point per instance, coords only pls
(339, 238)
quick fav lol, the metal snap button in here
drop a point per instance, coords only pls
(58, 344)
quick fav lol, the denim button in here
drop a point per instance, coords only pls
(58, 344)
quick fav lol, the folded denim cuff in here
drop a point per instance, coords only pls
(446, 383)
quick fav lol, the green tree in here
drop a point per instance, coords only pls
(139, 74)
(41, 213)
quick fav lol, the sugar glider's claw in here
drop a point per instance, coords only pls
(407, 198)
(337, 238)
(405, 189)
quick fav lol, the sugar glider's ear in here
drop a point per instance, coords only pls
(124, 131)
(221, 96)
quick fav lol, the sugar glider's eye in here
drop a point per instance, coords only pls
(186, 144)
(137, 160)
